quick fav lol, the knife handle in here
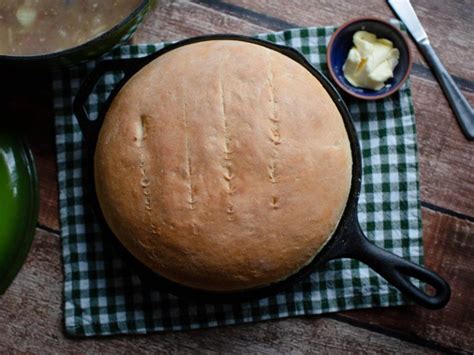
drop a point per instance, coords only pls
(461, 107)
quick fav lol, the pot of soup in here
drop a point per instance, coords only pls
(64, 32)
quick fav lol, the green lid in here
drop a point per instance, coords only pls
(18, 205)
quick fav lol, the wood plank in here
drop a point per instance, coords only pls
(449, 25)
(31, 313)
(173, 20)
(43, 147)
(443, 147)
(449, 250)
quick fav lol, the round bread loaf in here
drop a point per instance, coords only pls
(223, 165)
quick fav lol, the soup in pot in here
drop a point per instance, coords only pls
(32, 27)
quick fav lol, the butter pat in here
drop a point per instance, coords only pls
(371, 61)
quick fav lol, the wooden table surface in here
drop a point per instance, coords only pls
(31, 315)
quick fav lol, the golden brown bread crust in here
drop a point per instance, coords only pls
(223, 165)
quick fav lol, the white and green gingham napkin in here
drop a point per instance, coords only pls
(102, 295)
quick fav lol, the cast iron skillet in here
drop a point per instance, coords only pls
(348, 240)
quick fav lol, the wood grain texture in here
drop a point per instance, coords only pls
(448, 250)
(173, 20)
(443, 149)
(448, 27)
(31, 314)
(45, 157)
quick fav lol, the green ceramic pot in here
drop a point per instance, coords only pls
(18, 205)
(95, 47)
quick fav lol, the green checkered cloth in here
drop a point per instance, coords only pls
(103, 296)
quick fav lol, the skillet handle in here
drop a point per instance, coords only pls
(397, 271)
(90, 128)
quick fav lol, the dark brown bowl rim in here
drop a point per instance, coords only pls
(395, 88)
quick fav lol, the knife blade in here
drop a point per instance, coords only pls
(405, 12)
(459, 104)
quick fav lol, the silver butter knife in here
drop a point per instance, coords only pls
(461, 107)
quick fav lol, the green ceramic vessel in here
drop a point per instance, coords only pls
(18, 205)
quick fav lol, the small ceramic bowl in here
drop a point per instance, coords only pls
(341, 43)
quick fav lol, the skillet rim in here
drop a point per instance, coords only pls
(336, 242)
